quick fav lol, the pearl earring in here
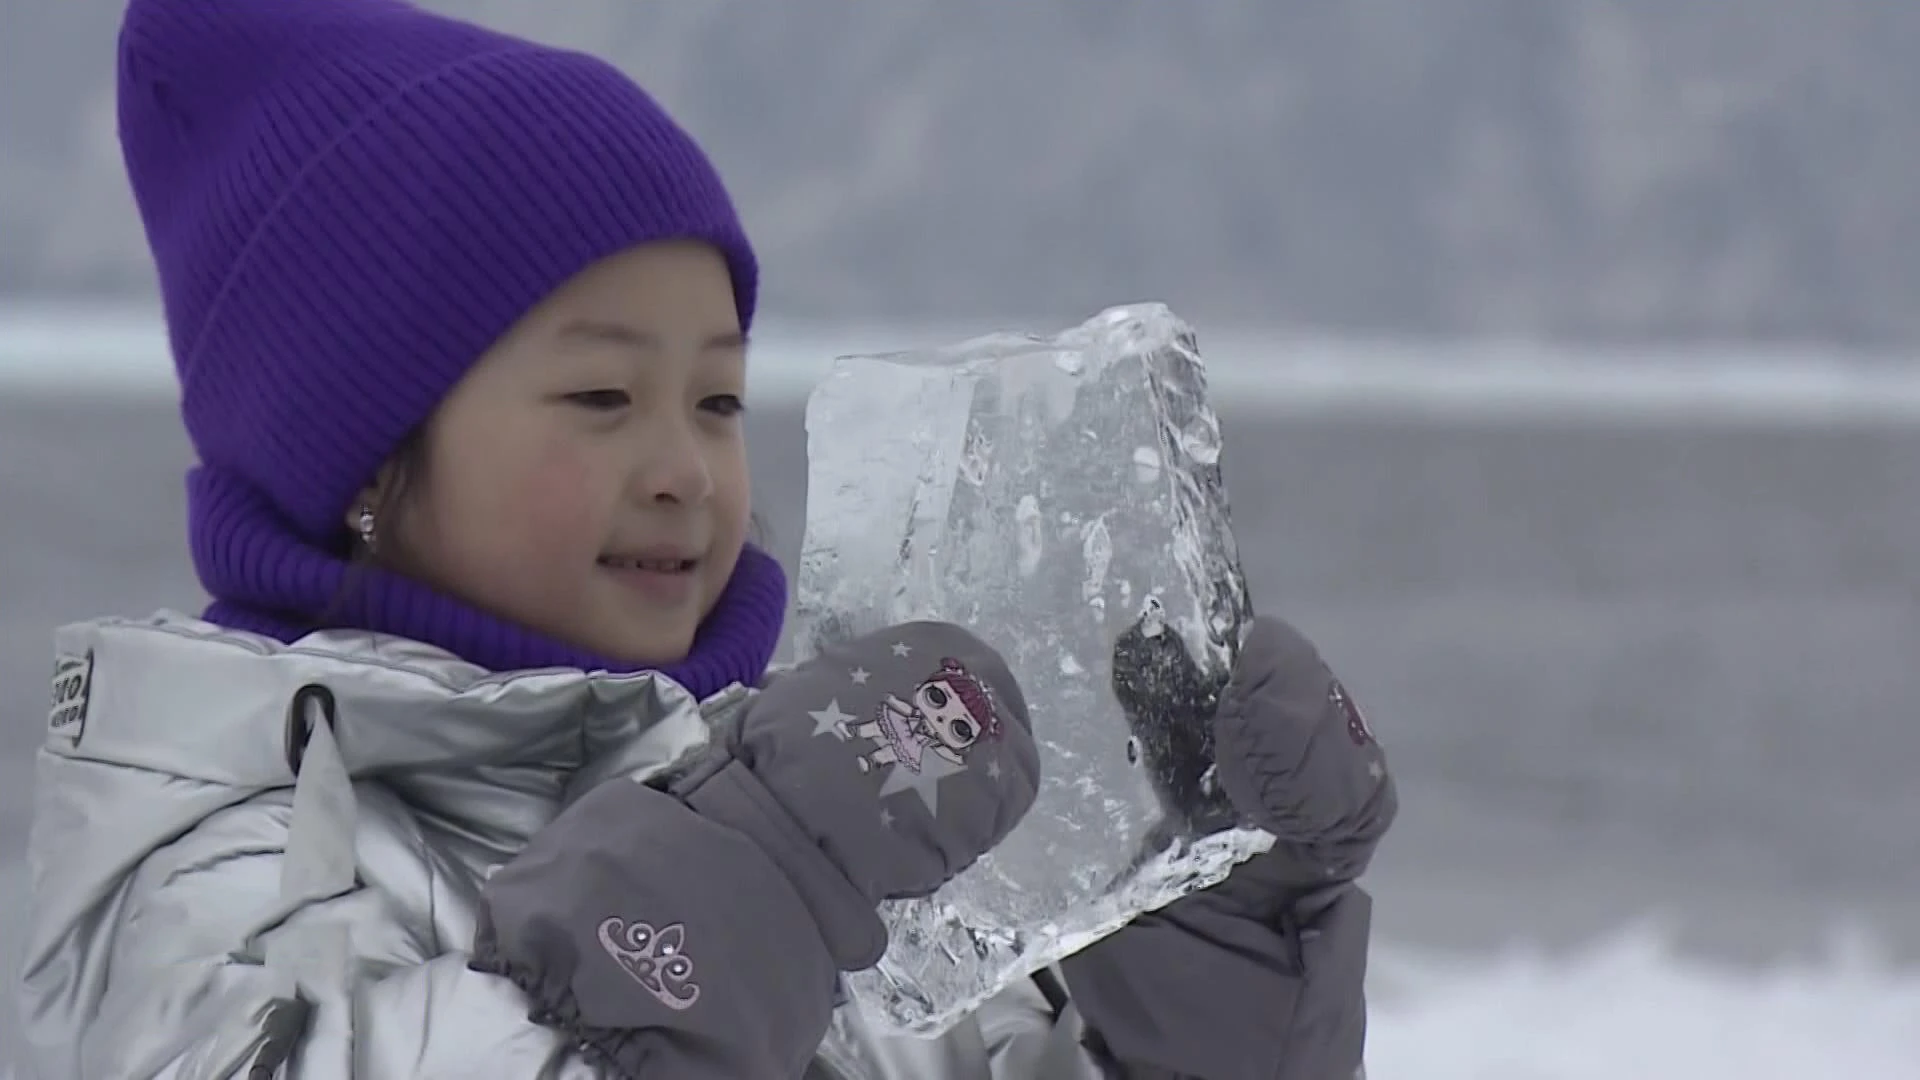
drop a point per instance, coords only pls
(366, 527)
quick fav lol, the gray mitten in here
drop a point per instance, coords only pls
(1261, 976)
(699, 932)
(902, 757)
(1297, 758)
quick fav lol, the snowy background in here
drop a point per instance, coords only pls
(1602, 496)
(1640, 643)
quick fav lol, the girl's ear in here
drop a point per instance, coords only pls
(372, 497)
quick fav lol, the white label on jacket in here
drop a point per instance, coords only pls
(72, 680)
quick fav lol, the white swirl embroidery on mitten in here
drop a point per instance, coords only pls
(655, 958)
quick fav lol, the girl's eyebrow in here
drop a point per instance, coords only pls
(600, 331)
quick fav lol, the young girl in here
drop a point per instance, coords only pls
(463, 773)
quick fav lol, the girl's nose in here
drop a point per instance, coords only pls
(674, 466)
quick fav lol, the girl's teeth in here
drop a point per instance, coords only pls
(658, 566)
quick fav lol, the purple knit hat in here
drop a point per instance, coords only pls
(348, 202)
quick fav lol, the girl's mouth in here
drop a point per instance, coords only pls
(658, 582)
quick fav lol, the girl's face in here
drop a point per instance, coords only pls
(588, 478)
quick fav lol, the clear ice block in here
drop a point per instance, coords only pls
(1062, 496)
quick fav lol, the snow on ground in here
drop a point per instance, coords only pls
(1631, 1009)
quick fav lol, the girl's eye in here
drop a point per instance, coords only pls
(724, 405)
(601, 400)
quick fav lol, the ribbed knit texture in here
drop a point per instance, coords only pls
(348, 202)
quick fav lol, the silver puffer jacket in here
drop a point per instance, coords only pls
(186, 889)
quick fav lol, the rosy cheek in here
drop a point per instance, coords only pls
(555, 497)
